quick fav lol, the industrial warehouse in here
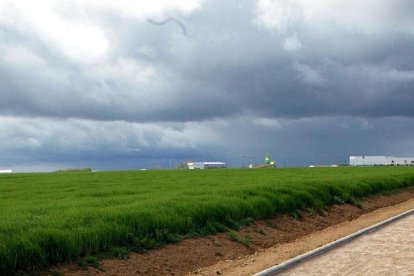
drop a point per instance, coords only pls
(5, 171)
(206, 165)
(380, 161)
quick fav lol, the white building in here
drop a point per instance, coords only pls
(380, 161)
(206, 165)
(6, 171)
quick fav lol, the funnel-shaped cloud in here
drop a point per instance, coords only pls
(170, 19)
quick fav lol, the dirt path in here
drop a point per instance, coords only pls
(282, 252)
(266, 243)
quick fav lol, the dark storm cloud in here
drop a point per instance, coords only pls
(227, 66)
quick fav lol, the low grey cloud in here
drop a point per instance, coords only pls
(222, 68)
(50, 144)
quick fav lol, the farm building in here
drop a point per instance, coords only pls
(6, 171)
(380, 161)
(206, 165)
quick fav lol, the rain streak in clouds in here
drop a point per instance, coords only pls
(111, 84)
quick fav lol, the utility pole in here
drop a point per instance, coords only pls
(246, 157)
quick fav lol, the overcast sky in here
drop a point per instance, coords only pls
(115, 84)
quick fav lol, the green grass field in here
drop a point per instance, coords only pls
(49, 218)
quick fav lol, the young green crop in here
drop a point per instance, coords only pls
(50, 218)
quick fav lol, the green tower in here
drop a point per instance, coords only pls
(267, 159)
